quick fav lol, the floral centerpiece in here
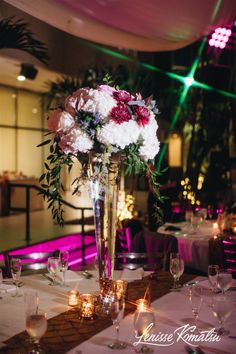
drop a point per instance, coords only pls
(100, 127)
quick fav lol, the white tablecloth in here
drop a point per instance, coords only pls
(193, 248)
(171, 312)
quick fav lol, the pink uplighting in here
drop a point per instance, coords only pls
(220, 37)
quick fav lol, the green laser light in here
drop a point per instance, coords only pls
(188, 81)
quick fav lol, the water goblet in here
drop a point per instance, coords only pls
(36, 326)
(188, 215)
(143, 319)
(15, 265)
(224, 280)
(174, 269)
(181, 271)
(31, 301)
(1, 280)
(195, 299)
(222, 307)
(53, 268)
(116, 311)
(213, 271)
(195, 222)
(64, 263)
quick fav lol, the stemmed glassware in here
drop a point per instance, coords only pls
(224, 280)
(213, 271)
(176, 269)
(64, 263)
(116, 311)
(142, 320)
(195, 222)
(36, 326)
(188, 215)
(195, 299)
(15, 265)
(53, 268)
(222, 307)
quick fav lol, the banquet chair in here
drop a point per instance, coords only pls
(134, 260)
(151, 242)
(35, 261)
(124, 239)
(229, 250)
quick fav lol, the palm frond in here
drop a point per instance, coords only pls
(16, 34)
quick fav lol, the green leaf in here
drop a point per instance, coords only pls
(44, 142)
(42, 177)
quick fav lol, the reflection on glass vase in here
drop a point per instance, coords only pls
(104, 196)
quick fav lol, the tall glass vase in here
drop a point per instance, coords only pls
(104, 196)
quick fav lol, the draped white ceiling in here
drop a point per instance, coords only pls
(144, 25)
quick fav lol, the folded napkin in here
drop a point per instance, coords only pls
(70, 276)
(130, 275)
(6, 287)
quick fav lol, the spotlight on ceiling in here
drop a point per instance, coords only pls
(27, 71)
(189, 80)
(220, 37)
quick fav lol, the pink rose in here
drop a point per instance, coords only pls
(60, 121)
(106, 88)
(76, 102)
(122, 96)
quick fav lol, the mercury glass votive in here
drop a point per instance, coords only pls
(87, 306)
(119, 288)
(73, 298)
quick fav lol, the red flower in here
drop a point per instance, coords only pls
(143, 115)
(122, 96)
(120, 114)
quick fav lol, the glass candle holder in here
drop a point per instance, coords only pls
(142, 304)
(87, 306)
(119, 288)
(73, 298)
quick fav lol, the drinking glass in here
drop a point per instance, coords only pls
(195, 299)
(15, 265)
(224, 280)
(116, 311)
(142, 320)
(64, 263)
(31, 300)
(36, 326)
(188, 215)
(1, 279)
(222, 307)
(181, 271)
(53, 268)
(195, 222)
(174, 268)
(213, 271)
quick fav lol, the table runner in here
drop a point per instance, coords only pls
(67, 331)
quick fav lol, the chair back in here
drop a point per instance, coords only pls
(229, 249)
(32, 261)
(149, 242)
(124, 238)
(134, 260)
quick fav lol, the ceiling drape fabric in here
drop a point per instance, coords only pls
(150, 25)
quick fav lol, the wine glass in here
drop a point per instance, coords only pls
(15, 265)
(213, 271)
(222, 307)
(195, 222)
(224, 280)
(143, 319)
(36, 326)
(116, 311)
(1, 279)
(188, 215)
(31, 300)
(64, 263)
(181, 271)
(195, 299)
(53, 268)
(174, 268)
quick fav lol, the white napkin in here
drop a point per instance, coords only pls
(5, 288)
(130, 275)
(70, 276)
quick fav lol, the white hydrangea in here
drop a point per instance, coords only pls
(75, 141)
(149, 149)
(120, 135)
(149, 130)
(99, 102)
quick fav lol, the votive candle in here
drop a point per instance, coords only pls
(73, 298)
(87, 305)
(142, 304)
